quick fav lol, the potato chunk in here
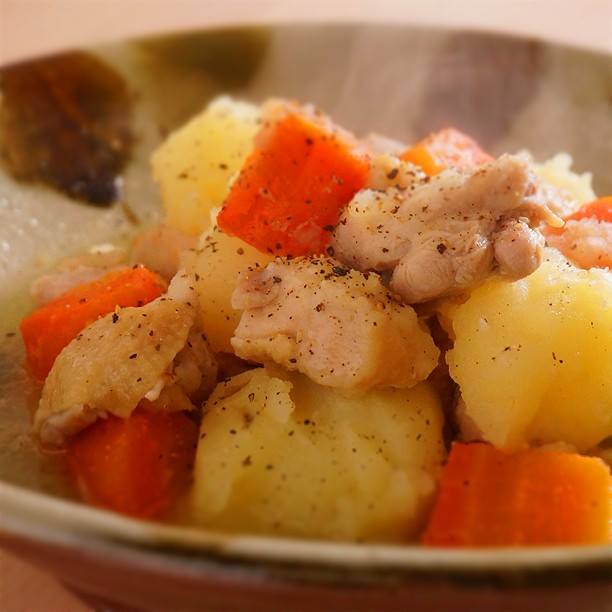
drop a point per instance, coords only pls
(215, 264)
(287, 456)
(533, 358)
(194, 165)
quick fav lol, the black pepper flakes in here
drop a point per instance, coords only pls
(338, 271)
(393, 173)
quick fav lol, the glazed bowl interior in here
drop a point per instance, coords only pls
(509, 93)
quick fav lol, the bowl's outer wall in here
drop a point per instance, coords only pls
(509, 93)
(139, 584)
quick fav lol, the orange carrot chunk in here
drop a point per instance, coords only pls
(53, 326)
(600, 209)
(290, 191)
(137, 466)
(532, 498)
(444, 149)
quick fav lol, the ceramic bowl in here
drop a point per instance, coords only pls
(509, 93)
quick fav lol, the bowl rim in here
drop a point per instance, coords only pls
(73, 525)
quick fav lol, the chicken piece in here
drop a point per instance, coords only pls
(518, 248)
(151, 352)
(190, 380)
(586, 242)
(338, 326)
(160, 248)
(438, 236)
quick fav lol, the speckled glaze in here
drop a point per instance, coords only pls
(509, 93)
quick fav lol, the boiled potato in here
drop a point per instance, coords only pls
(216, 263)
(279, 454)
(194, 165)
(533, 357)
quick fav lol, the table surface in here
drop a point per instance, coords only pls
(31, 27)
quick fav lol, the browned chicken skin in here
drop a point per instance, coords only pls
(340, 327)
(442, 235)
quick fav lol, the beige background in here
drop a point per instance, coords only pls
(30, 27)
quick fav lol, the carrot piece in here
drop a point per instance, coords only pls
(489, 498)
(446, 148)
(53, 326)
(600, 209)
(137, 466)
(290, 191)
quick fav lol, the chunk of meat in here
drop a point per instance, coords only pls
(160, 249)
(439, 236)
(586, 238)
(128, 355)
(50, 328)
(586, 242)
(195, 368)
(338, 326)
(518, 247)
